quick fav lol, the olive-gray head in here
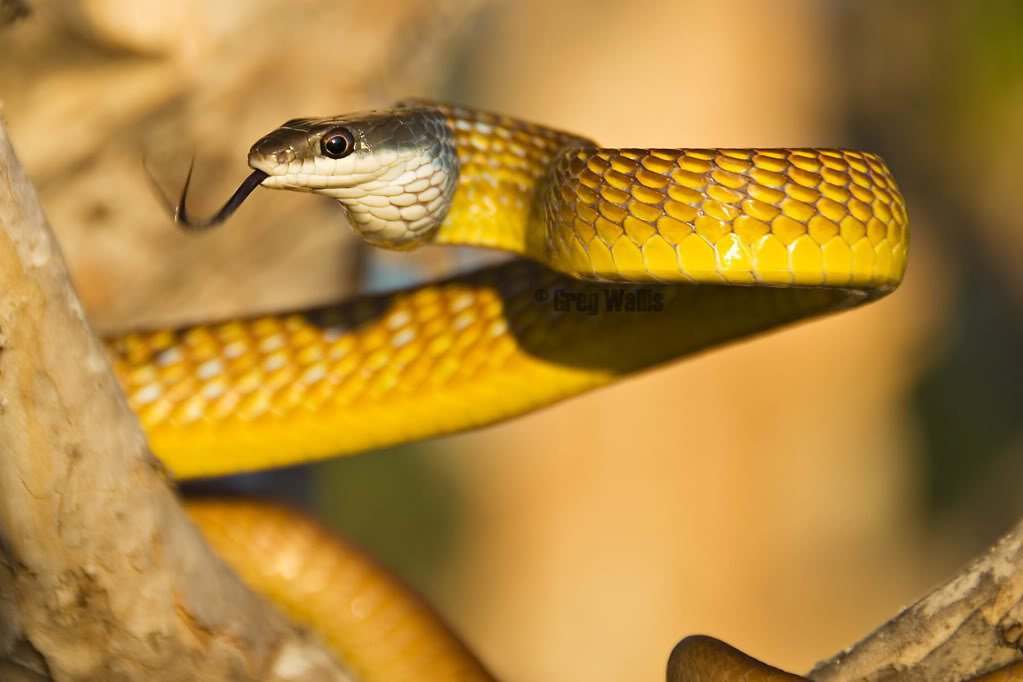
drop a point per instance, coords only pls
(394, 171)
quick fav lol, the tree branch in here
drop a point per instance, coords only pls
(970, 625)
(102, 576)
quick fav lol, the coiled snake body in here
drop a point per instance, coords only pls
(633, 257)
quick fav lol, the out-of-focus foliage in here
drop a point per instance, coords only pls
(955, 88)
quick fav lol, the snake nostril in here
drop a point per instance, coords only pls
(285, 156)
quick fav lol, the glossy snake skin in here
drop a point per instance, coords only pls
(381, 630)
(633, 258)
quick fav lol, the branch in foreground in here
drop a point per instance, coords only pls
(970, 625)
(102, 576)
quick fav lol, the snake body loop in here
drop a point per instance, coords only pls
(802, 231)
(632, 258)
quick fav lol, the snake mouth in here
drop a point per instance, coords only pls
(250, 183)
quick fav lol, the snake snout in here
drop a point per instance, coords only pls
(260, 159)
(276, 149)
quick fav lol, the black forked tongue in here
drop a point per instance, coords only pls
(244, 190)
(230, 206)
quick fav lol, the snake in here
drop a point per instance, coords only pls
(621, 259)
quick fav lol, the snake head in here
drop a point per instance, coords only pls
(394, 171)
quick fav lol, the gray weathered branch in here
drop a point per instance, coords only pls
(970, 625)
(102, 576)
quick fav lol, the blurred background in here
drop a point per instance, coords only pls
(788, 494)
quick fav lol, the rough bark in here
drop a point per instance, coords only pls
(102, 576)
(970, 625)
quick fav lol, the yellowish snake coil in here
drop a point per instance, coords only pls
(631, 258)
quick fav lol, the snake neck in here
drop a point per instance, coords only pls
(404, 197)
(504, 171)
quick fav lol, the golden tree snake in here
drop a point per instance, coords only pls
(631, 258)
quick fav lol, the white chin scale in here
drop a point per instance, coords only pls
(404, 202)
(393, 199)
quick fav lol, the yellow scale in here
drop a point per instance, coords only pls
(728, 242)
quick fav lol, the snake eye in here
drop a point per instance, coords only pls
(337, 143)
